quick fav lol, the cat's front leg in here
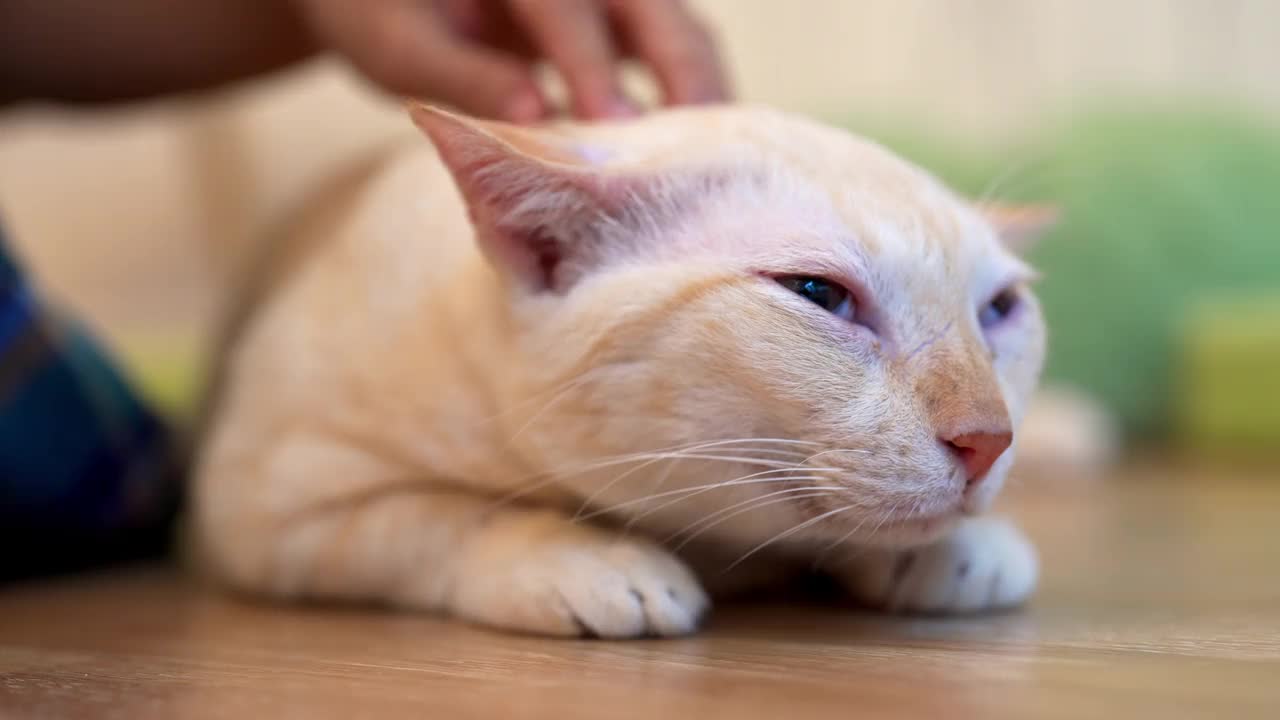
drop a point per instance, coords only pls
(984, 564)
(421, 547)
(538, 572)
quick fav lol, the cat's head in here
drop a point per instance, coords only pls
(734, 294)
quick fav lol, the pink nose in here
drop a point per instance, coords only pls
(978, 451)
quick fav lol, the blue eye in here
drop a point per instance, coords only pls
(999, 308)
(821, 292)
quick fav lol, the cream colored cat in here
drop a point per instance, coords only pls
(561, 380)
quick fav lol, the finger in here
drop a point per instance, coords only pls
(678, 49)
(574, 35)
(483, 82)
(410, 54)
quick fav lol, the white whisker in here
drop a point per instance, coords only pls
(653, 490)
(674, 452)
(1015, 170)
(537, 397)
(859, 550)
(703, 448)
(887, 516)
(837, 450)
(729, 483)
(560, 395)
(698, 489)
(817, 560)
(788, 533)
(700, 526)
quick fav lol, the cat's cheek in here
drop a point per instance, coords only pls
(862, 341)
(854, 339)
(1005, 331)
(1011, 341)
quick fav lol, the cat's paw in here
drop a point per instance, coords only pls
(985, 564)
(585, 583)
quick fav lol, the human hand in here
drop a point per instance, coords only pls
(479, 55)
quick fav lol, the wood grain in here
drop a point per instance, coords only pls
(1161, 599)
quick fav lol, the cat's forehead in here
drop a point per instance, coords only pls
(735, 133)
(801, 191)
(876, 194)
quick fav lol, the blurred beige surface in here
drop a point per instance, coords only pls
(127, 215)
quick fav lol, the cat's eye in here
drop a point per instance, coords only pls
(827, 295)
(999, 308)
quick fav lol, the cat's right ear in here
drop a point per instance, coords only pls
(531, 194)
(1020, 227)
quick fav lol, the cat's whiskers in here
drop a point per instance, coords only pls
(673, 458)
(915, 508)
(753, 503)
(1016, 170)
(708, 447)
(788, 533)
(686, 493)
(826, 550)
(887, 516)
(661, 480)
(725, 514)
(675, 453)
(1036, 176)
(856, 550)
(833, 451)
(539, 396)
(658, 483)
(698, 489)
(561, 394)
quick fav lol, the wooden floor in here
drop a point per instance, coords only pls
(1161, 599)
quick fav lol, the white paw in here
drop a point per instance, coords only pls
(585, 583)
(985, 564)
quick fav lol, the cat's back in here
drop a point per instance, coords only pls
(379, 233)
(395, 200)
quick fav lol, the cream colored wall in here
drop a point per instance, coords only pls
(123, 214)
(984, 66)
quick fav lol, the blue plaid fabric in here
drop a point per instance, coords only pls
(86, 471)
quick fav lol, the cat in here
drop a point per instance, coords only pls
(579, 379)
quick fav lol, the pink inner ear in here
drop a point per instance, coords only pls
(534, 219)
(547, 254)
(526, 195)
(537, 204)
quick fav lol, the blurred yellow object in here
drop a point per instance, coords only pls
(1230, 376)
(166, 370)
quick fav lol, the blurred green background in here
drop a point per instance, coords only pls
(1161, 282)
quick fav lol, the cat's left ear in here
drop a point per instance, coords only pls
(539, 201)
(1020, 227)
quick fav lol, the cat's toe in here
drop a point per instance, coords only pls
(589, 586)
(986, 564)
(671, 598)
(633, 590)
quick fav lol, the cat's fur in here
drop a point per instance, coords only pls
(505, 378)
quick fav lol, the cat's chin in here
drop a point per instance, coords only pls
(912, 531)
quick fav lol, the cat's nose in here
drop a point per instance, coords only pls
(978, 451)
